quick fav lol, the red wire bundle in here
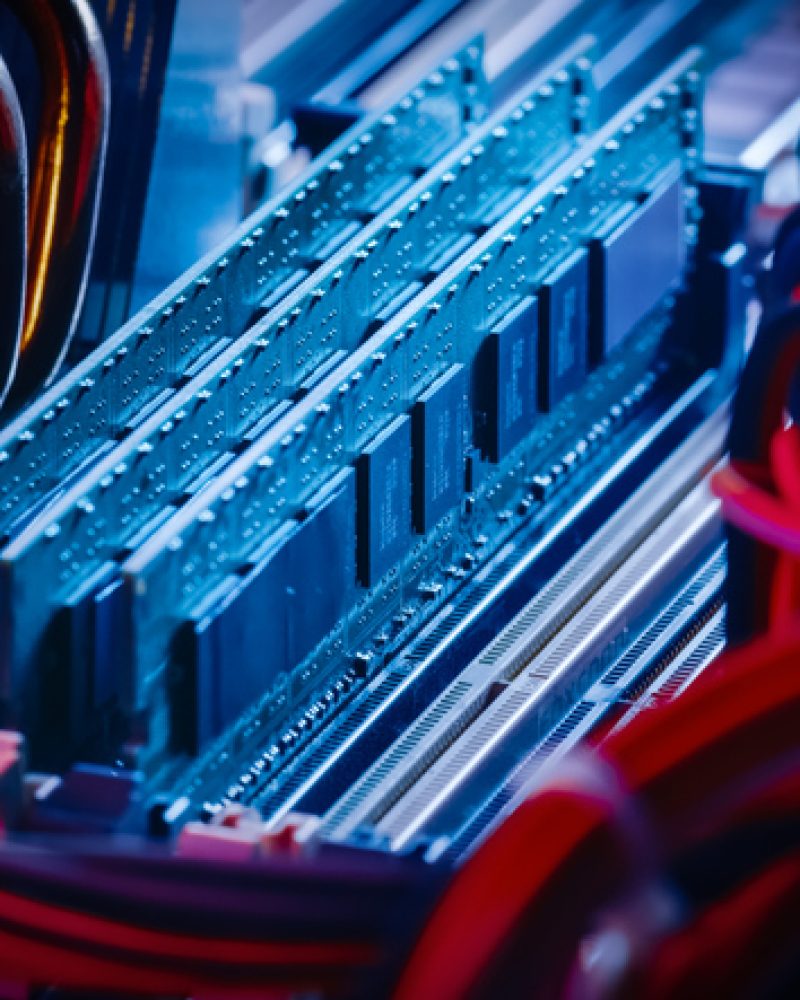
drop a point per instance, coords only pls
(42, 944)
(690, 769)
(772, 517)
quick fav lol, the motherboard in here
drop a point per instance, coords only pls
(400, 494)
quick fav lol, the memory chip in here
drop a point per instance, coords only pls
(438, 426)
(505, 382)
(235, 645)
(564, 329)
(635, 265)
(384, 501)
(268, 618)
(110, 634)
(322, 555)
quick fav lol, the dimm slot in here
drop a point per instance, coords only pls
(529, 633)
(690, 632)
(541, 690)
(424, 657)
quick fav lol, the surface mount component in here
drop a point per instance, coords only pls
(635, 263)
(505, 382)
(439, 425)
(384, 501)
(564, 329)
(293, 592)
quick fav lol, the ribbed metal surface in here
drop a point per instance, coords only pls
(556, 676)
(523, 639)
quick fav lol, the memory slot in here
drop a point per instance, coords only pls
(301, 757)
(684, 638)
(537, 691)
(196, 431)
(477, 320)
(357, 413)
(550, 612)
(287, 240)
(667, 676)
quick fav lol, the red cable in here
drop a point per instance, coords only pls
(101, 932)
(785, 463)
(739, 717)
(39, 963)
(785, 587)
(767, 518)
(721, 952)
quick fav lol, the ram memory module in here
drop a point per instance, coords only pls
(369, 499)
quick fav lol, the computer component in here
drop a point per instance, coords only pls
(375, 559)
(282, 351)
(549, 675)
(125, 379)
(267, 485)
